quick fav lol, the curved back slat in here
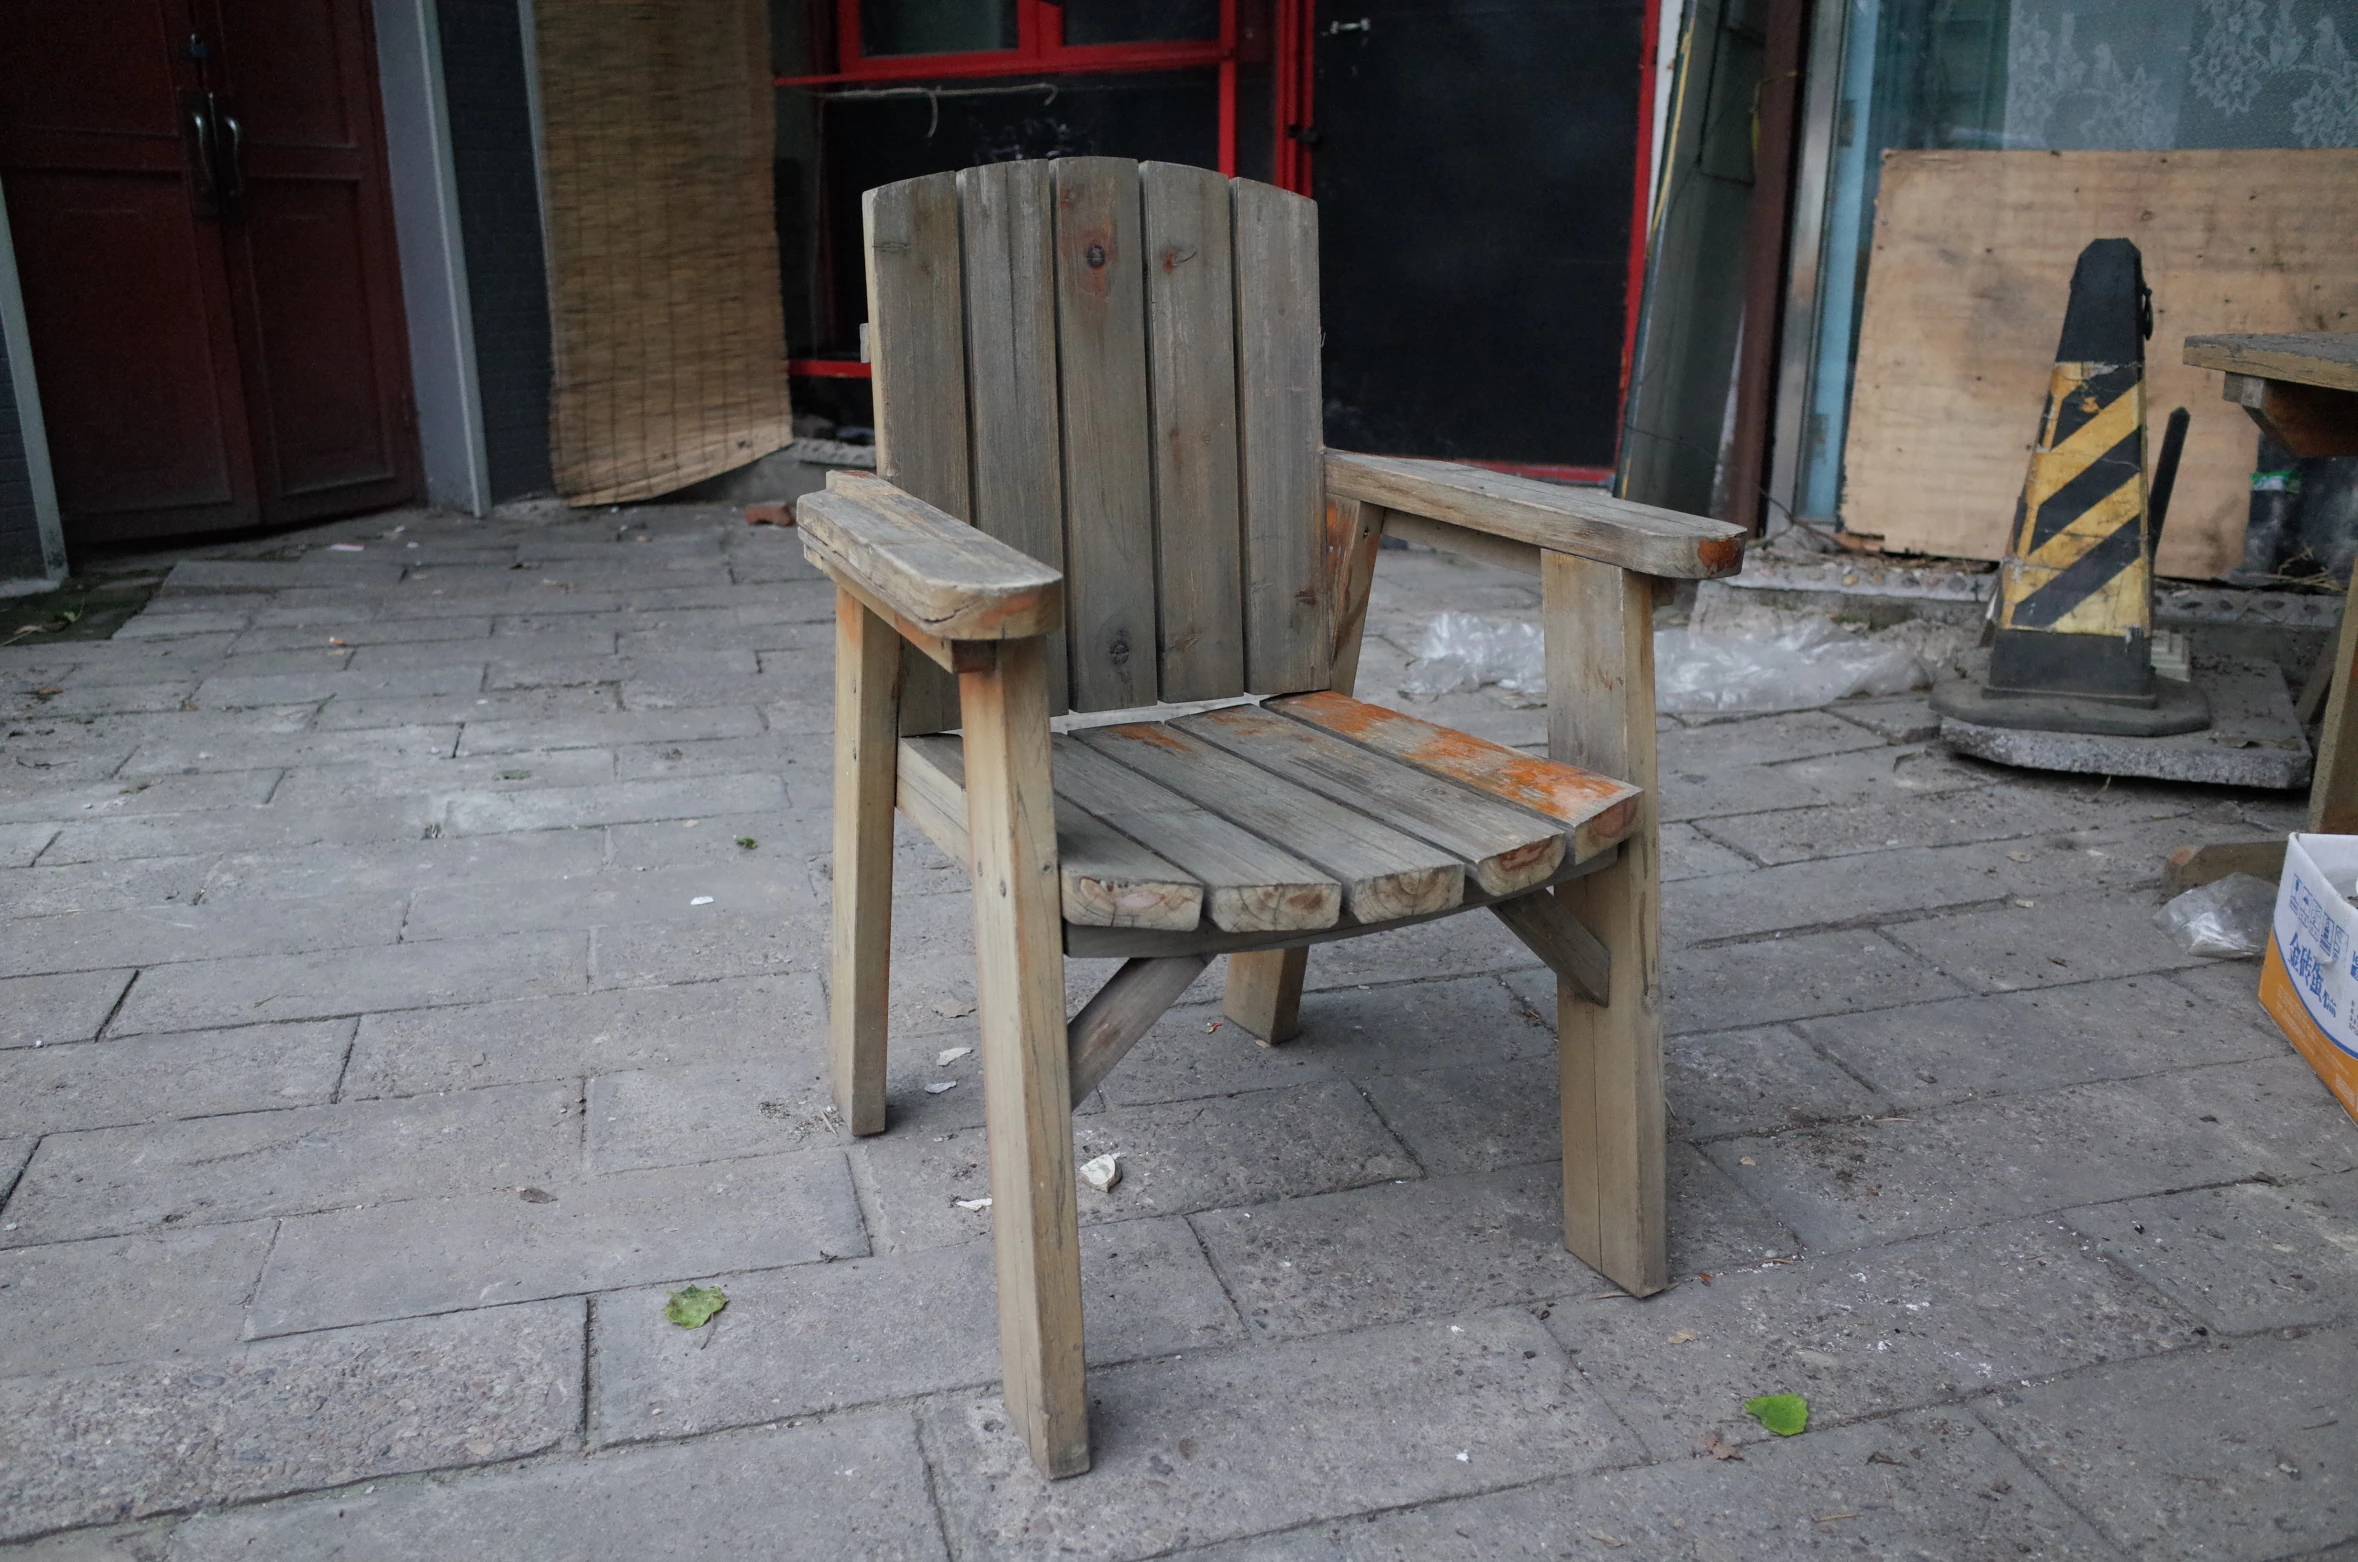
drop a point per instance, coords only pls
(1114, 367)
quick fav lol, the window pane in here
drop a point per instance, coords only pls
(1140, 21)
(935, 26)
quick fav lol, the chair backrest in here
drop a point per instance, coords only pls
(1114, 367)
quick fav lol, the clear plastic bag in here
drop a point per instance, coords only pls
(1778, 664)
(2226, 919)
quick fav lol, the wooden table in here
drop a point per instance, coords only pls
(2302, 390)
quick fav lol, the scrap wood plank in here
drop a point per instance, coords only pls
(1594, 811)
(1507, 849)
(1249, 885)
(1965, 296)
(2328, 358)
(1108, 880)
(1384, 873)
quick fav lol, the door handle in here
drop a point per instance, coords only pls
(229, 176)
(204, 156)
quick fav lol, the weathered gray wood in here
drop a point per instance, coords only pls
(1108, 451)
(1122, 943)
(1007, 214)
(1122, 1011)
(1383, 872)
(1561, 519)
(1250, 886)
(2327, 358)
(1595, 811)
(1191, 378)
(1556, 936)
(917, 339)
(1280, 414)
(867, 667)
(1107, 879)
(1505, 552)
(1600, 687)
(1358, 535)
(950, 580)
(1262, 993)
(1508, 849)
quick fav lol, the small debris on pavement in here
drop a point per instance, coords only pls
(769, 515)
(1102, 1173)
(1683, 1337)
(950, 1055)
(972, 1206)
(346, 547)
(1787, 1415)
(536, 1195)
(954, 1008)
(939, 1086)
(1720, 1448)
(748, 842)
(701, 900)
(1880, 1457)
(694, 1307)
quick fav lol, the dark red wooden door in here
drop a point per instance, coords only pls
(197, 195)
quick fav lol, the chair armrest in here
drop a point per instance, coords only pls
(938, 574)
(1552, 516)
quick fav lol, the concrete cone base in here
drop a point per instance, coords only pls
(2179, 707)
(2254, 738)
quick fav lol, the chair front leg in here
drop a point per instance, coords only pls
(1263, 993)
(867, 739)
(1027, 1084)
(1600, 688)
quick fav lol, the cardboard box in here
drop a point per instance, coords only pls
(2309, 984)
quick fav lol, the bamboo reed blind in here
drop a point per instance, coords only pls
(670, 357)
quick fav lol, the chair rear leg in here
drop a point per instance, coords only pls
(1264, 993)
(1027, 1083)
(867, 748)
(1600, 684)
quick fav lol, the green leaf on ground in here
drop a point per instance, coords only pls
(1784, 1414)
(694, 1307)
(748, 842)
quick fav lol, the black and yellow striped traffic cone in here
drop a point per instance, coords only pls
(2074, 644)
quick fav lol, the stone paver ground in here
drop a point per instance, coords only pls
(414, 967)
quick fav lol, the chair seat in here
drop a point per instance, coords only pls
(1256, 826)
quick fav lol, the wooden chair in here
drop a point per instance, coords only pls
(1111, 370)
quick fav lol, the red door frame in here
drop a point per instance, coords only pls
(1040, 46)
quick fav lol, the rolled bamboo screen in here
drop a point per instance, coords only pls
(663, 246)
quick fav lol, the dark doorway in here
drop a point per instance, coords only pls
(1473, 170)
(197, 194)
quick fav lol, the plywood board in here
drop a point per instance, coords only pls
(1965, 297)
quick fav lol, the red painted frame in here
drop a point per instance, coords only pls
(1040, 46)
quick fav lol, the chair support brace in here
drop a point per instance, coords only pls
(1125, 1009)
(1558, 937)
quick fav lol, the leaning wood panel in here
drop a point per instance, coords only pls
(1007, 215)
(1507, 849)
(1281, 415)
(670, 361)
(1595, 811)
(1107, 879)
(1250, 886)
(1965, 297)
(1191, 377)
(917, 339)
(1108, 481)
(1384, 873)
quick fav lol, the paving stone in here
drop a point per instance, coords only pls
(486, 864)
(1396, 1251)
(386, 745)
(2068, 938)
(785, 838)
(133, 1298)
(37, 1011)
(855, 1486)
(1178, 1157)
(101, 886)
(653, 954)
(1864, 1333)
(471, 1045)
(1853, 1184)
(1687, 853)
(1992, 813)
(58, 1089)
(104, 1444)
(2243, 1258)
(745, 888)
(1746, 1081)
(442, 777)
(240, 830)
(802, 1341)
(2233, 985)
(228, 691)
(322, 627)
(776, 1101)
(509, 705)
(1466, 945)
(151, 624)
(160, 935)
(106, 699)
(108, 1543)
(434, 1255)
(618, 802)
(654, 761)
(21, 843)
(126, 799)
(203, 994)
(1762, 740)
(2246, 1452)
(1944, 1488)
(2274, 1113)
(213, 1170)
(1793, 977)
(1897, 718)
(1932, 1053)
(317, 569)
(1183, 1448)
